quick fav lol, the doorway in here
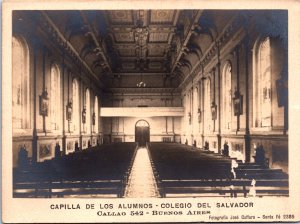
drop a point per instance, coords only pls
(142, 132)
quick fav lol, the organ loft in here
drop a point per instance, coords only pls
(150, 103)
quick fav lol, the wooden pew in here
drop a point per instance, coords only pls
(101, 170)
(186, 170)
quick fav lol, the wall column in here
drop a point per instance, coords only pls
(192, 114)
(237, 50)
(172, 103)
(80, 108)
(219, 100)
(64, 140)
(44, 84)
(199, 106)
(34, 134)
(166, 118)
(247, 132)
(214, 94)
(202, 106)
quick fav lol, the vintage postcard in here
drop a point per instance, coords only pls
(150, 111)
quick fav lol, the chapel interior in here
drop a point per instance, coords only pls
(150, 103)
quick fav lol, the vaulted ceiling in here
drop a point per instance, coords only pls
(123, 43)
(127, 41)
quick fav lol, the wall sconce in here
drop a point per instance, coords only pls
(69, 111)
(84, 115)
(44, 103)
(213, 111)
(190, 117)
(237, 103)
(199, 115)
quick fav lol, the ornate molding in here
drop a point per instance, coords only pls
(50, 28)
(181, 49)
(212, 51)
(144, 90)
(99, 49)
(145, 74)
(144, 111)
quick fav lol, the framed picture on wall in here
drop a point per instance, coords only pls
(84, 115)
(69, 110)
(238, 104)
(44, 103)
(213, 111)
(94, 118)
(199, 115)
(190, 117)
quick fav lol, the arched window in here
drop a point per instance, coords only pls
(88, 111)
(55, 99)
(75, 100)
(262, 85)
(142, 123)
(20, 82)
(226, 96)
(96, 114)
(207, 108)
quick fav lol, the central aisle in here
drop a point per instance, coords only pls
(141, 183)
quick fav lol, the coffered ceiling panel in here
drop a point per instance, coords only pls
(156, 51)
(162, 16)
(126, 52)
(120, 16)
(158, 37)
(155, 65)
(128, 65)
(124, 37)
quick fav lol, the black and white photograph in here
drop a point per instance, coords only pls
(147, 113)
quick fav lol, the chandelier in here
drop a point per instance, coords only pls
(141, 33)
(141, 84)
